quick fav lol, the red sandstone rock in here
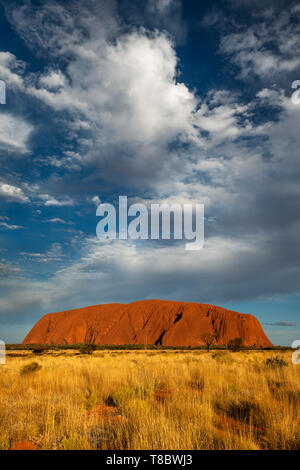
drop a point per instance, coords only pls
(159, 322)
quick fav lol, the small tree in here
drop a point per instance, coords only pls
(208, 339)
(235, 344)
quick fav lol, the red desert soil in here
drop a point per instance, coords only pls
(106, 413)
(24, 445)
(160, 322)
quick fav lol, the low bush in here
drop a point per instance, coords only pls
(30, 368)
(38, 351)
(126, 393)
(87, 348)
(276, 362)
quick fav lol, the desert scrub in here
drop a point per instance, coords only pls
(87, 348)
(30, 368)
(223, 357)
(74, 442)
(124, 394)
(276, 362)
(38, 351)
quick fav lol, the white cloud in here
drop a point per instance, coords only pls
(11, 70)
(96, 200)
(58, 220)
(134, 107)
(7, 269)
(54, 80)
(131, 102)
(12, 193)
(31, 192)
(14, 132)
(53, 254)
(52, 201)
(160, 6)
(7, 226)
(223, 117)
(130, 93)
(267, 47)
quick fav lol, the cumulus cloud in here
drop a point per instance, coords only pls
(131, 91)
(14, 133)
(131, 103)
(267, 47)
(49, 200)
(223, 117)
(32, 193)
(12, 193)
(11, 70)
(53, 81)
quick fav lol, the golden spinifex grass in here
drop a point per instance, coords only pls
(151, 400)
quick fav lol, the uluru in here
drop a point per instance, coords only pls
(158, 322)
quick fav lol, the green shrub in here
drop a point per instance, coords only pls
(88, 348)
(276, 362)
(30, 368)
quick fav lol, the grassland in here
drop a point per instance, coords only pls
(150, 400)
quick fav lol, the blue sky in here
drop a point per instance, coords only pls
(159, 100)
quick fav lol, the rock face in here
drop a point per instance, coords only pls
(159, 322)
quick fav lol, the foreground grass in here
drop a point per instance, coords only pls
(150, 400)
